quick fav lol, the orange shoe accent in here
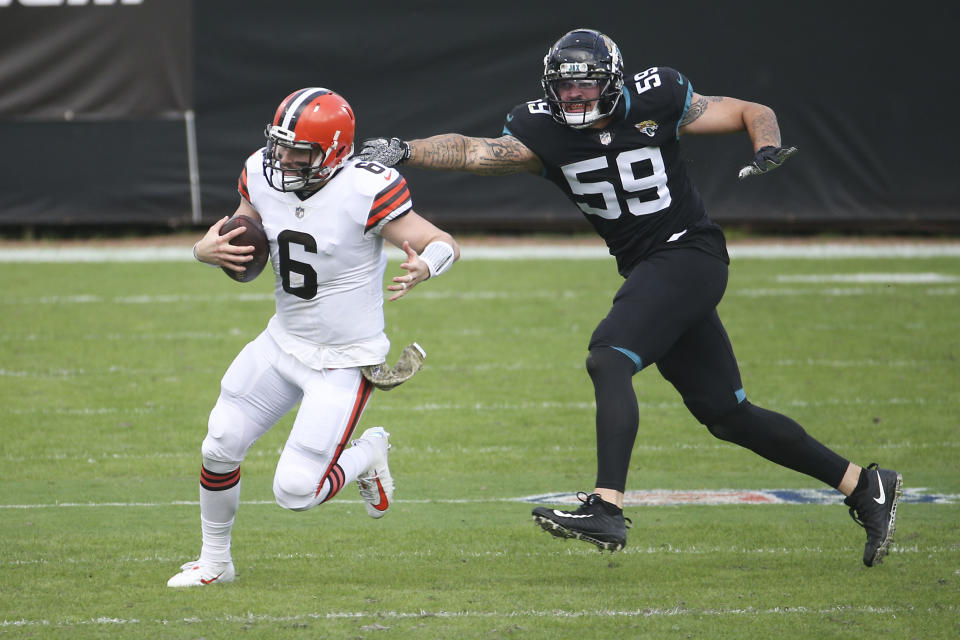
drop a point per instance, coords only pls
(383, 504)
(213, 579)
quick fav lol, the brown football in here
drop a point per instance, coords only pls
(254, 236)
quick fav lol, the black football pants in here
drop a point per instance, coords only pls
(665, 313)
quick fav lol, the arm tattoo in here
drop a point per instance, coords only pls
(484, 156)
(697, 108)
(764, 130)
(439, 152)
(501, 156)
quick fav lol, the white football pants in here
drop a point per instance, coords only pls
(262, 384)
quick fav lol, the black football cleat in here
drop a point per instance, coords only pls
(875, 509)
(590, 522)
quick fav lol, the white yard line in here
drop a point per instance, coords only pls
(506, 406)
(490, 367)
(512, 252)
(871, 278)
(646, 612)
(880, 280)
(645, 498)
(707, 444)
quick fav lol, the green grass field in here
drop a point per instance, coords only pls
(108, 372)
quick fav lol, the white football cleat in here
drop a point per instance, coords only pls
(376, 484)
(200, 573)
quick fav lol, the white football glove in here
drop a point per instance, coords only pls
(386, 151)
(766, 159)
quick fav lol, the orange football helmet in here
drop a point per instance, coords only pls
(315, 120)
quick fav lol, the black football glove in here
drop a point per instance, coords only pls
(386, 151)
(767, 159)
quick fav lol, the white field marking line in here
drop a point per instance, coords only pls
(591, 405)
(650, 498)
(59, 374)
(707, 445)
(715, 497)
(763, 292)
(143, 299)
(487, 295)
(786, 362)
(881, 278)
(226, 334)
(509, 406)
(862, 363)
(647, 612)
(64, 374)
(84, 411)
(663, 549)
(526, 251)
(843, 364)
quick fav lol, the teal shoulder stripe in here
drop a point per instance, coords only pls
(686, 106)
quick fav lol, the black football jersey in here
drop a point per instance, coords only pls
(629, 179)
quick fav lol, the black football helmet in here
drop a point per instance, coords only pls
(583, 54)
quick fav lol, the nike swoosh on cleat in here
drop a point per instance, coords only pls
(213, 579)
(883, 497)
(563, 514)
(383, 503)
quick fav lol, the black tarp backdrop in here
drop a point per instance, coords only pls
(92, 104)
(863, 88)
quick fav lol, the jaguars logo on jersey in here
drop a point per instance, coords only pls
(648, 127)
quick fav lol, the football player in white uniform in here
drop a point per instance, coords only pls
(326, 217)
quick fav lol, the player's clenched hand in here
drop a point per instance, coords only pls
(417, 271)
(386, 151)
(216, 249)
(767, 159)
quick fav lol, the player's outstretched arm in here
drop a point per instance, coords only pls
(455, 152)
(720, 114)
(484, 156)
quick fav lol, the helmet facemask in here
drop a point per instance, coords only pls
(597, 102)
(296, 178)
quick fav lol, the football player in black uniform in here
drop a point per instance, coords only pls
(612, 145)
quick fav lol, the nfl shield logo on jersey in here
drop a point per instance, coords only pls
(299, 212)
(605, 137)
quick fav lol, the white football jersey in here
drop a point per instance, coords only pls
(328, 261)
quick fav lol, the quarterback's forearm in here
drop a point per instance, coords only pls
(484, 156)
